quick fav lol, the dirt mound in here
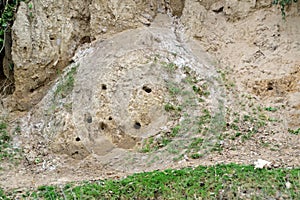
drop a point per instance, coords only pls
(128, 102)
(150, 98)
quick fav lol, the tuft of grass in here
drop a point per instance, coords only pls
(295, 132)
(171, 67)
(231, 181)
(271, 109)
(66, 85)
(5, 140)
(283, 4)
(155, 143)
(6, 149)
(170, 107)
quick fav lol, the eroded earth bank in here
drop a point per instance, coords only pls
(110, 88)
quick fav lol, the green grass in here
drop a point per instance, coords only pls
(230, 181)
(154, 143)
(271, 109)
(6, 150)
(66, 84)
(295, 132)
(4, 141)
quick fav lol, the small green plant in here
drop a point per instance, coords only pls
(4, 141)
(204, 118)
(174, 89)
(295, 132)
(30, 6)
(170, 107)
(171, 67)
(271, 109)
(155, 143)
(66, 84)
(175, 131)
(283, 4)
(196, 155)
(6, 150)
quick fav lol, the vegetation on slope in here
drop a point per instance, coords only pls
(230, 181)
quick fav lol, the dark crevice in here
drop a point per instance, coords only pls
(218, 10)
(85, 39)
(102, 126)
(7, 84)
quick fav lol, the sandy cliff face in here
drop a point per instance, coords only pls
(46, 35)
(223, 71)
(252, 42)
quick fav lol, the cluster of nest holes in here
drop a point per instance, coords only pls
(103, 126)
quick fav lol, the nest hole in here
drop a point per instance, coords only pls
(104, 87)
(137, 125)
(147, 89)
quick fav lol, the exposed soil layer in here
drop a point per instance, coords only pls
(151, 98)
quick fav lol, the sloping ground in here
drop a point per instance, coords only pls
(134, 102)
(150, 99)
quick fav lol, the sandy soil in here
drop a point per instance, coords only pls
(245, 83)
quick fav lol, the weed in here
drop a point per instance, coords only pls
(6, 150)
(283, 4)
(201, 100)
(217, 147)
(66, 84)
(197, 90)
(234, 127)
(205, 118)
(196, 155)
(173, 89)
(271, 109)
(164, 138)
(295, 132)
(236, 135)
(175, 131)
(170, 107)
(171, 67)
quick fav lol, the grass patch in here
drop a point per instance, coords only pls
(295, 132)
(169, 66)
(6, 149)
(155, 143)
(230, 181)
(271, 109)
(66, 85)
